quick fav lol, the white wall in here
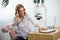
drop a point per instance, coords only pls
(53, 9)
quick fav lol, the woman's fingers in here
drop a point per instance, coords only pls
(43, 28)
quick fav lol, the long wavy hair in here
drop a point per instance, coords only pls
(17, 9)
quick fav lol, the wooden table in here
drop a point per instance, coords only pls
(44, 36)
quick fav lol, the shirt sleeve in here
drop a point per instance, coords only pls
(10, 25)
(33, 21)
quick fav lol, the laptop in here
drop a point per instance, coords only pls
(50, 30)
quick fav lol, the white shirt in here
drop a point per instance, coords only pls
(23, 27)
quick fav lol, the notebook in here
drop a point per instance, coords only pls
(48, 31)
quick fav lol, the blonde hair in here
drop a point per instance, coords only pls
(17, 9)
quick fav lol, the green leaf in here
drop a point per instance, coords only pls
(34, 1)
(42, 1)
(38, 1)
(5, 3)
(38, 15)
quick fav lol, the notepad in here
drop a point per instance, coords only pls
(47, 31)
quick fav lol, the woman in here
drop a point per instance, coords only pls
(22, 22)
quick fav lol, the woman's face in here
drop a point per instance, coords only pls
(22, 11)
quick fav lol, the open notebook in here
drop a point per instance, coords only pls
(47, 31)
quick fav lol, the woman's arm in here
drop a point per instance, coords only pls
(36, 24)
(16, 21)
(12, 32)
(33, 21)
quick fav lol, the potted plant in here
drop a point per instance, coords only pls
(38, 16)
(5, 3)
(37, 2)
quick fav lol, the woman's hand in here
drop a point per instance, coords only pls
(43, 28)
(7, 29)
(13, 32)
